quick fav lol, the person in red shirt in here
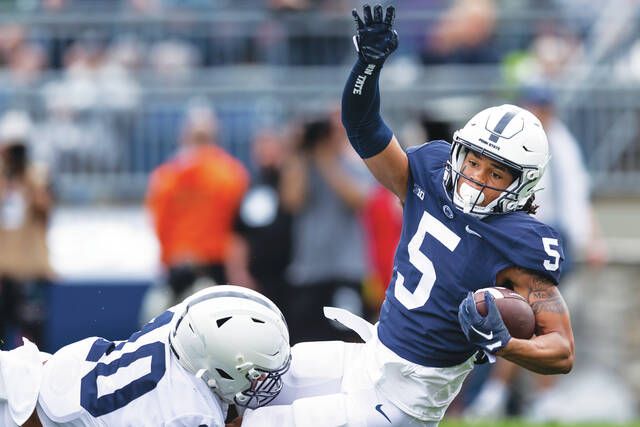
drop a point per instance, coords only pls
(382, 218)
(193, 199)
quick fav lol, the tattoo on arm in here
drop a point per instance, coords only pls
(550, 303)
(544, 295)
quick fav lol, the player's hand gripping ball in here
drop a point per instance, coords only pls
(515, 311)
(375, 39)
(482, 320)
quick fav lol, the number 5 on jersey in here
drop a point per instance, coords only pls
(548, 244)
(428, 225)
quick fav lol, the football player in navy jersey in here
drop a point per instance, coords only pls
(466, 226)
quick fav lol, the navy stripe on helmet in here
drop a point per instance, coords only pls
(502, 124)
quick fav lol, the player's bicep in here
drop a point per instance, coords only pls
(549, 308)
(391, 168)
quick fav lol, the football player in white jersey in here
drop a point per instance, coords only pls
(223, 345)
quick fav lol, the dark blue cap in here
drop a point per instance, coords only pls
(539, 95)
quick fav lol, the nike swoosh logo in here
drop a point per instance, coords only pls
(488, 336)
(495, 345)
(470, 231)
(379, 409)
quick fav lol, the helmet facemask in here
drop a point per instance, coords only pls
(265, 386)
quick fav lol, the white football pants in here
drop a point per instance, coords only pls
(327, 386)
(338, 384)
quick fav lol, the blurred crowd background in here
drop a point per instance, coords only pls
(150, 147)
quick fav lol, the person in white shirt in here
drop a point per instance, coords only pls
(565, 202)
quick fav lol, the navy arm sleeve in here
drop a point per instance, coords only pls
(367, 132)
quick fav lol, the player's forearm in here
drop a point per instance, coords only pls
(347, 189)
(546, 354)
(293, 185)
(367, 132)
(237, 262)
(40, 198)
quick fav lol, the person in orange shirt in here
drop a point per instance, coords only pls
(193, 199)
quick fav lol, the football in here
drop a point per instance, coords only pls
(514, 309)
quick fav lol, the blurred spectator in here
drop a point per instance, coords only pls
(293, 40)
(262, 247)
(89, 108)
(553, 51)
(193, 200)
(151, 7)
(74, 136)
(25, 204)
(121, 93)
(13, 37)
(463, 35)
(128, 51)
(54, 5)
(565, 202)
(173, 60)
(26, 64)
(97, 74)
(382, 217)
(144, 6)
(289, 5)
(326, 187)
(565, 205)
(548, 56)
(22, 66)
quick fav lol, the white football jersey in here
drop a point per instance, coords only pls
(133, 383)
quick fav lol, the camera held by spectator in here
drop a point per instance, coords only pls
(314, 134)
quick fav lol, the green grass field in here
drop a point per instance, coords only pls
(521, 423)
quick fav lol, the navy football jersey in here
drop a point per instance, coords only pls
(443, 254)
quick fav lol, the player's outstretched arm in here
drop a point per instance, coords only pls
(369, 135)
(551, 351)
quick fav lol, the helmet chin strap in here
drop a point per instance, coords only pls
(468, 197)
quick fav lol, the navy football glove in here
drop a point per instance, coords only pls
(376, 39)
(489, 332)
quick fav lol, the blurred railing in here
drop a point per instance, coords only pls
(107, 151)
(241, 35)
(102, 132)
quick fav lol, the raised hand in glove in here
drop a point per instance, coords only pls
(375, 39)
(489, 332)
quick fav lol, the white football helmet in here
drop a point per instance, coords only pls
(234, 339)
(511, 136)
